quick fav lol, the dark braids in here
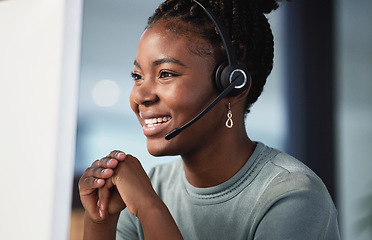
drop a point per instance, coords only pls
(249, 29)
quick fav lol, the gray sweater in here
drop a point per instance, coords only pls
(273, 196)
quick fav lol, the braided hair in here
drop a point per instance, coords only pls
(246, 23)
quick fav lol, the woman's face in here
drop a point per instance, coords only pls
(171, 86)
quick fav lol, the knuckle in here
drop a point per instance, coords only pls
(83, 182)
(130, 158)
(96, 162)
(112, 153)
(90, 169)
(108, 161)
(98, 171)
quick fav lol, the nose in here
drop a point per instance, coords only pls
(144, 93)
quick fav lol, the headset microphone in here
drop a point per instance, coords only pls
(231, 78)
(177, 131)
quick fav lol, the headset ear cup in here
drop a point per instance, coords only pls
(242, 70)
(218, 77)
(222, 77)
(226, 72)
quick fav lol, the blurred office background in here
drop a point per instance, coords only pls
(316, 104)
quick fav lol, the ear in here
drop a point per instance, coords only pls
(241, 97)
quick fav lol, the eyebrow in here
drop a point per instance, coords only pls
(162, 61)
(135, 63)
(168, 60)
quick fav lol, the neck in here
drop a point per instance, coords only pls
(218, 161)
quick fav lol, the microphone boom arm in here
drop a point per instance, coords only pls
(178, 130)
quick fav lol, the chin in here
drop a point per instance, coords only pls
(160, 148)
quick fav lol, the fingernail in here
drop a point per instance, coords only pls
(100, 213)
(97, 180)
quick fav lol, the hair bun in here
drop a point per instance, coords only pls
(266, 6)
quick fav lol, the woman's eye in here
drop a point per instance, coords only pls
(136, 76)
(167, 74)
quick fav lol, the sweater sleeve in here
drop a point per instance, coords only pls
(128, 227)
(297, 206)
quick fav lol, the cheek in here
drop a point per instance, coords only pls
(133, 104)
(188, 97)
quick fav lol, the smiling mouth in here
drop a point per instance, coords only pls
(152, 122)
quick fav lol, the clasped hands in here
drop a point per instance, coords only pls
(114, 182)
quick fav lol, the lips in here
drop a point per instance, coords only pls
(155, 125)
(152, 122)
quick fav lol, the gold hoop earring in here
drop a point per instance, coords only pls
(229, 121)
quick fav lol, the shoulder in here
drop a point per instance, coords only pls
(282, 177)
(292, 174)
(289, 188)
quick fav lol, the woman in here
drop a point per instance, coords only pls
(225, 186)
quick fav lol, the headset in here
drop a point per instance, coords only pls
(231, 77)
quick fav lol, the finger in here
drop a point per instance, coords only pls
(87, 185)
(97, 172)
(116, 154)
(105, 162)
(93, 178)
(103, 202)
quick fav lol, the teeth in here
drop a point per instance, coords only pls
(155, 121)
